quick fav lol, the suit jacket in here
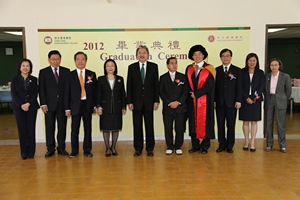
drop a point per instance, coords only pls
(257, 84)
(228, 90)
(73, 91)
(283, 90)
(111, 101)
(19, 95)
(49, 90)
(173, 91)
(140, 94)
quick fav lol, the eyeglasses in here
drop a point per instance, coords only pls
(226, 56)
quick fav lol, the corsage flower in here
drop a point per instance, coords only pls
(89, 79)
(256, 96)
(119, 80)
(178, 82)
(231, 76)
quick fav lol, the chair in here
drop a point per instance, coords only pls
(5, 97)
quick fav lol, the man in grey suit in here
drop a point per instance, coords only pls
(278, 92)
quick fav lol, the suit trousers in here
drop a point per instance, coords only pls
(138, 136)
(280, 120)
(228, 114)
(180, 120)
(87, 126)
(50, 118)
(205, 144)
(26, 122)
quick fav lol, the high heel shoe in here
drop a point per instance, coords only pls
(246, 148)
(252, 149)
(108, 153)
(114, 152)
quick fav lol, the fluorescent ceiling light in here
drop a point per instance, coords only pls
(272, 30)
(14, 32)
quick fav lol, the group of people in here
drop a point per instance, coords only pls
(193, 96)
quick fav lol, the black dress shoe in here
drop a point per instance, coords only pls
(204, 151)
(252, 149)
(150, 153)
(193, 150)
(63, 152)
(49, 154)
(88, 154)
(220, 150)
(30, 157)
(245, 148)
(114, 152)
(72, 155)
(108, 152)
(137, 153)
(229, 150)
(24, 157)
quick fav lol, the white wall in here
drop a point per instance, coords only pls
(34, 14)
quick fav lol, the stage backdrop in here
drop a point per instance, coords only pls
(120, 44)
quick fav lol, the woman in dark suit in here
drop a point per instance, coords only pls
(24, 91)
(253, 83)
(111, 103)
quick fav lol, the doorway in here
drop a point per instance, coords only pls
(283, 42)
(12, 48)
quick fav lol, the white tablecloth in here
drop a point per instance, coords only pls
(296, 94)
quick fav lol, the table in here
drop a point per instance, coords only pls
(295, 97)
(4, 88)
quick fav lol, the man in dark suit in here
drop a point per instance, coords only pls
(173, 90)
(80, 102)
(228, 96)
(51, 93)
(142, 99)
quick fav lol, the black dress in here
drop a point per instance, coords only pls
(252, 112)
(112, 102)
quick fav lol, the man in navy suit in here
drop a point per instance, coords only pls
(142, 99)
(80, 102)
(51, 93)
(228, 97)
(173, 90)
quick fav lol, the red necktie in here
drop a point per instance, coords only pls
(56, 74)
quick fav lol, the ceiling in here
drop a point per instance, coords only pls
(6, 37)
(289, 32)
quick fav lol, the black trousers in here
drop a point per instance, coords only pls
(26, 122)
(205, 144)
(87, 127)
(58, 115)
(180, 120)
(228, 114)
(138, 136)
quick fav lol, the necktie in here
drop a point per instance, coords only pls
(226, 71)
(143, 73)
(196, 70)
(56, 74)
(81, 84)
(172, 77)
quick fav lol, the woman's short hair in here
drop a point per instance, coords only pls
(111, 60)
(279, 62)
(25, 60)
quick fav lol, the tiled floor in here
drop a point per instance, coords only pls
(241, 175)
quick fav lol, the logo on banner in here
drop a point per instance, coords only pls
(211, 38)
(48, 40)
